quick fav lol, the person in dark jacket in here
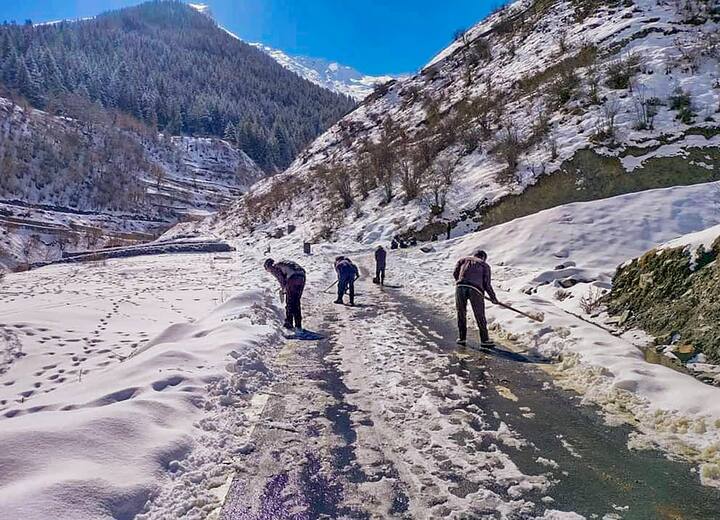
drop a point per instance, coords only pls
(347, 273)
(292, 282)
(472, 280)
(380, 263)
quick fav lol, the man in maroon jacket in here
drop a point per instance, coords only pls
(472, 281)
(292, 282)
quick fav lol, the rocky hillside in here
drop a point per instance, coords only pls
(172, 67)
(71, 184)
(545, 102)
(672, 292)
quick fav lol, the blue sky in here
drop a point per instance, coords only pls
(374, 36)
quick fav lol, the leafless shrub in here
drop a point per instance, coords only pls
(552, 146)
(509, 146)
(606, 129)
(562, 295)
(481, 49)
(591, 301)
(691, 52)
(471, 137)
(593, 82)
(645, 108)
(561, 41)
(621, 71)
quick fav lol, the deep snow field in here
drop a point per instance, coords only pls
(113, 372)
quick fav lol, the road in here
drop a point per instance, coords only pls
(385, 418)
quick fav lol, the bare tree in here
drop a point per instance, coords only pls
(439, 182)
(382, 160)
(410, 166)
(366, 181)
(339, 179)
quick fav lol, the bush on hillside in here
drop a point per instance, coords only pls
(681, 101)
(621, 71)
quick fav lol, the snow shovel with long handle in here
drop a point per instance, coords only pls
(331, 286)
(539, 317)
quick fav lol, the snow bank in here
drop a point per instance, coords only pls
(694, 241)
(107, 425)
(578, 246)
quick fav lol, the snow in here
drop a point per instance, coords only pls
(583, 242)
(330, 75)
(200, 8)
(586, 242)
(654, 31)
(104, 404)
(692, 242)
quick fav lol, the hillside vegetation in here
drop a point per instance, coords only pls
(172, 67)
(104, 178)
(543, 103)
(672, 292)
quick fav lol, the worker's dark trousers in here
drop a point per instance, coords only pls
(293, 293)
(346, 284)
(380, 274)
(462, 295)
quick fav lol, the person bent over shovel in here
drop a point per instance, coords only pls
(472, 281)
(292, 283)
(347, 273)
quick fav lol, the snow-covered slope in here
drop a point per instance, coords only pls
(543, 103)
(127, 379)
(554, 261)
(68, 184)
(331, 75)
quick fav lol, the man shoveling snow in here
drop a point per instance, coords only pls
(347, 273)
(472, 281)
(292, 282)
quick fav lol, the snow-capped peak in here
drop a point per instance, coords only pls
(201, 8)
(330, 75)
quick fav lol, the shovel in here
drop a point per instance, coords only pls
(539, 317)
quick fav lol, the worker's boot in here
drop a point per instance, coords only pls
(338, 301)
(461, 342)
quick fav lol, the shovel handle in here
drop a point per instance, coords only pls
(501, 304)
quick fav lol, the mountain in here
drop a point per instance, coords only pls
(102, 178)
(171, 66)
(543, 103)
(330, 75)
